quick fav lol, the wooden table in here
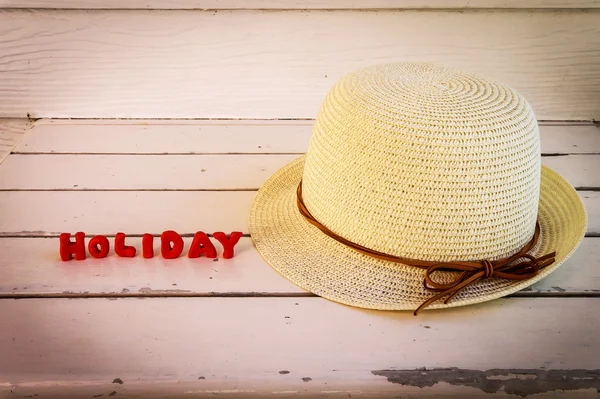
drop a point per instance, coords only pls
(233, 327)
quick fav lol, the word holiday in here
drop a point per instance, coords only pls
(171, 246)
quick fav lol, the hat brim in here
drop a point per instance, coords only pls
(319, 264)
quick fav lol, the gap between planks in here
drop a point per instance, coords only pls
(551, 154)
(184, 121)
(305, 5)
(140, 189)
(109, 235)
(250, 294)
(309, 9)
(139, 235)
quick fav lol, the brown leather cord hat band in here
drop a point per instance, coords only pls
(520, 266)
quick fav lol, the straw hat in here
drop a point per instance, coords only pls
(422, 187)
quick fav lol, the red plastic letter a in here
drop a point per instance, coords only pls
(202, 245)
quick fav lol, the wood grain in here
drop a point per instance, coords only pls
(157, 172)
(247, 346)
(570, 139)
(279, 64)
(175, 137)
(49, 213)
(12, 132)
(31, 267)
(295, 4)
(577, 169)
(195, 172)
(46, 213)
(233, 137)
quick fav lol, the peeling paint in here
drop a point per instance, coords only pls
(32, 232)
(347, 392)
(236, 391)
(512, 376)
(522, 382)
(147, 290)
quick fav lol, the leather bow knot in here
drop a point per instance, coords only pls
(520, 266)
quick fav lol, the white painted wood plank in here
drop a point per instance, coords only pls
(232, 136)
(32, 266)
(590, 198)
(296, 4)
(569, 139)
(158, 172)
(258, 64)
(12, 132)
(49, 213)
(193, 172)
(584, 264)
(251, 346)
(580, 170)
(174, 137)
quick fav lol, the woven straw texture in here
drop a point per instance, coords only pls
(418, 161)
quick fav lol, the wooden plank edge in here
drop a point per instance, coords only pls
(353, 385)
(12, 132)
(51, 234)
(249, 189)
(331, 5)
(196, 153)
(526, 293)
(237, 121)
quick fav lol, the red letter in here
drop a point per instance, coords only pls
(68, 248)
(125, 251)
(147, 246)
(228, 244)
(166, 239)
(202, 245)
(98, 247)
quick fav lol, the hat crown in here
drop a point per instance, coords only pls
(425, 162)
